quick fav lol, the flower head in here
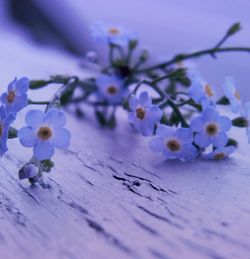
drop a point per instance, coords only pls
(232, 95)
(110, 89)
(144, 115)
(211, 128)
(112, 34)
(174, 144)
(5, 120)
(44, 132)
(220, 153)
(15, 99)
(201, 92)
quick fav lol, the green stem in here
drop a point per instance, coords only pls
(39, 102)
(182, 57)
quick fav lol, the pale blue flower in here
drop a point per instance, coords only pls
(174, 143)
(232, 94)
(15, 99)
(44, 132)
(220, 153)
(5, 120)
(112, 34)
(211, 128)
(201, 92)
(110, 89)
(246, 115)
(144, 116)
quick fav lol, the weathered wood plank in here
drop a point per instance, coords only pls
(111, 197)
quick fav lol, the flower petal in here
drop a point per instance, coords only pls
(202, 140)
(60, 138)
(210, 114)
(184, 135)
(224, 123)
(165, 131)
(55, 118)
(34, 118)
(27, 136)
(197, 124)
(144, 99)
(220, 140)
(154, 114)
(157, 144)
(133, 102)
(43, 150)
(22, 85)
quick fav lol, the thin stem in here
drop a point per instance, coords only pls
(38, 102)
(182, 57)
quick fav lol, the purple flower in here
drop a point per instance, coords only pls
(211, 128)
(201, 92)
(110, 89)
(44, 132)
(5, 120)
(112, 34)
(232, 95)
(144, 115)
(220, 153)
(15, 99)
(174, 144)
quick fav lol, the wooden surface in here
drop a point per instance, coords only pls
(111, 197)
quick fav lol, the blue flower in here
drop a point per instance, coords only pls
(144, 115)
(174, 144)
(110, 89)
(5, 120)
(211, 128)
(44, 132)
(112, 34)
(246, 114)
(28, 171)
(232, 95)
(201, 92)
(220, 153)
(15, 99)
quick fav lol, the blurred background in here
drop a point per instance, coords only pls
(165, 27)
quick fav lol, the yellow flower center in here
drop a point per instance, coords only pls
(211, 129)
(113, 31)
(11, 96)
(112, 90)
(237, 95)
(44, 133)
(173, 145)
(219, 156)
(140, 113)
(209, 90)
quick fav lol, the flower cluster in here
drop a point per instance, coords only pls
(169, 102)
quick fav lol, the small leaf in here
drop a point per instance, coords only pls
(100, 118)
(234, 29)
(232, 142)
(12, 133)
(223, 101)
(240, 122)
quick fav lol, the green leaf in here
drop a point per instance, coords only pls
(36, 84)
(67, 95)
(232, 142)
(12, 133)
(223, 101)
(100, 117)
(111, 123)
(240, 122)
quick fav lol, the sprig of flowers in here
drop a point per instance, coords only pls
(170, 103)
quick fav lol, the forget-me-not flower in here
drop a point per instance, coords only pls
(15, 99)
(211, 128)
(110, 89)
(201, 92)
(112, 34)
(44, 132)
(5, 120)
(220, 153)
(174, 144)
(144, 115)
(232, 95)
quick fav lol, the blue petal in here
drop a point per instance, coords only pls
(157, 144)
(188, 152)
(22, 85)
(60, 138)
(210, 114)
(197, 124)
(165, 131)
(154, 114)
(55, 118)
(220, 140)
(43, 150)
(146, 129)
(224, 123)
(34, 118)
(184, 135)
(202, 139)
(144, 99)
(27, 137)
(133, 102)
